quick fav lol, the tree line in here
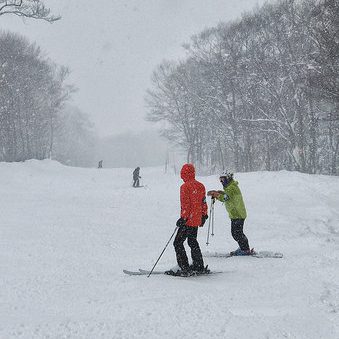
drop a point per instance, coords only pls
(35, 120)
(259, 93)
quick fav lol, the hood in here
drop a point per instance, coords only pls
(187, 172)
(229, 183)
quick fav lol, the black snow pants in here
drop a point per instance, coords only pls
(189, 233)
(238, 235)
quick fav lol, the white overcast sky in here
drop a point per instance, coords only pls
(112, 47)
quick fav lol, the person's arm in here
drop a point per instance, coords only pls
(185, 203)
(222, 196)
(204, 205)
(204, 210)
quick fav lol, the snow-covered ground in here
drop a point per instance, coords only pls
(67, 233)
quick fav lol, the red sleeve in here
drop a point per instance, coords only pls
(185, 202)
(204, 204)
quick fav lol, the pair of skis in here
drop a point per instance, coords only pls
(259, 254)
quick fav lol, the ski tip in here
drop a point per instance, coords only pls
(132, 272)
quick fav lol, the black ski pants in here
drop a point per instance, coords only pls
(238, 235)
(189, 233)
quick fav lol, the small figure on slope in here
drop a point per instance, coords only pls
(232, 198)
(136, 177)
(193, 215)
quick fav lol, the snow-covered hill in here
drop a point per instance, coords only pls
(67, 233)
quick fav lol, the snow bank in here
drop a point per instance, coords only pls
(67, 233)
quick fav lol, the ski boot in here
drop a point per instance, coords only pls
(179, 272)
(240, 252)
(199, 270)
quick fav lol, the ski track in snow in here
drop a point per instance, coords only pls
(66, 234)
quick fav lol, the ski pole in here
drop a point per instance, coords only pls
(209, 221)
(213, 217)
(208, 230)
(162, 251)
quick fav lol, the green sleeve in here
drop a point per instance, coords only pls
(222, 197)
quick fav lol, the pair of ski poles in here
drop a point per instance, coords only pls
(211, 221)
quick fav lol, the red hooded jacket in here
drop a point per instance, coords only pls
(192, 197)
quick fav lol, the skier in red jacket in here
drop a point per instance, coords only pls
(193, 215)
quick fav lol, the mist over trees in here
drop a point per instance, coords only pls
(129, 149)
(260, 93)
(37, 121)
(34, 121)
(76, 139)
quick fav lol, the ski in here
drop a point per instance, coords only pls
(193, 274)
(142, 272)
(268, 254)
(259, 254)
(147, 272)
(133, 272)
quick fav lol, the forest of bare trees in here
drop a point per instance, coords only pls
(260, 93)
(35, 122)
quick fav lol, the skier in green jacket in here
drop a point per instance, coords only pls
(232, 198)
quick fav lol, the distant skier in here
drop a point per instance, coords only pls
(232, 198)
(193, 215)
(136, 177)
(100, 164)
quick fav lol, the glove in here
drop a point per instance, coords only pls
(203, 220)
(213, 194)
(181, 222)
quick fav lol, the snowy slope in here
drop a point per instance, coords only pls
(67, 233)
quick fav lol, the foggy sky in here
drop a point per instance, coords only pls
(112, 48)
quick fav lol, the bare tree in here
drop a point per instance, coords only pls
(34, 9)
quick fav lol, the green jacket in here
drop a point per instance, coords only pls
(233, 201)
